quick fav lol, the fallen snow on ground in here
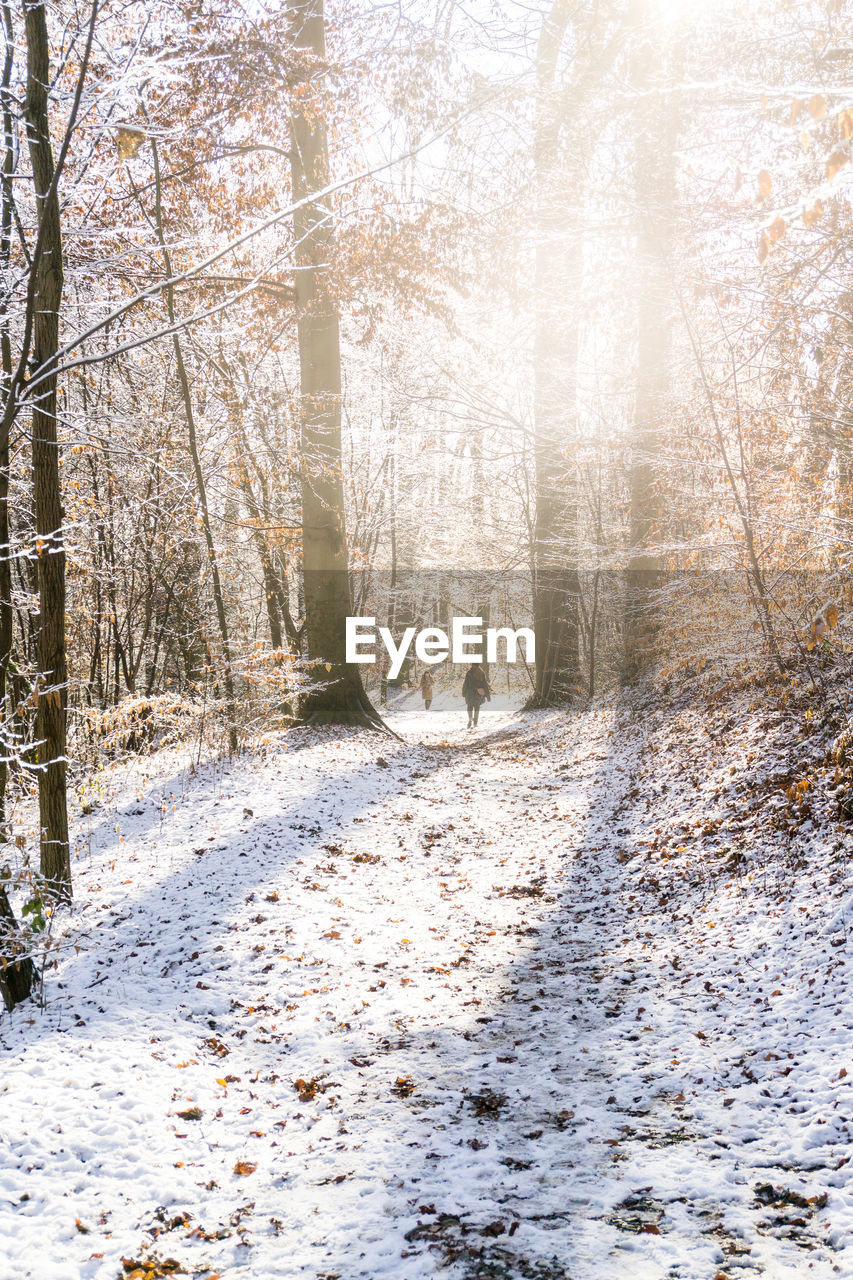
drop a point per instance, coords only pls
(351, 1006)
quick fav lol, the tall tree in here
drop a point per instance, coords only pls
(586, 41)
(46, 297)
(341, 698)
(656, 127)
(6, 227)
(555, 577)
(195, 455)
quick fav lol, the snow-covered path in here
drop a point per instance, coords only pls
(360, 1008)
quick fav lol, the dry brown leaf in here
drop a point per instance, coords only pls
(835, 163)
(128, 142)
(777, 229)
(191, 1113)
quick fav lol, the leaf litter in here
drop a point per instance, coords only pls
(560, 1004)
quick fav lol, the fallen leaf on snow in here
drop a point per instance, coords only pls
(191, 1113)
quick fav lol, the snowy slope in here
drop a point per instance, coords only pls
(358, 1007)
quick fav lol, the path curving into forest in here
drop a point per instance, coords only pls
(356, 1007)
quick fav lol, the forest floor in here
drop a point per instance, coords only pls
(556, 998)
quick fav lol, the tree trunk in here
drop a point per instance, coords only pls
(16, 975)
(328, 598)
(50, 648)
(391, 481)
(259, 516)
(201, 487)
(556, 587)
(6, 201)
(656, 131)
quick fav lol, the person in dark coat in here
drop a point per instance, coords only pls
(475, 691)
(427, 690)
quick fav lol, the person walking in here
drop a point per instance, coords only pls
(427, 690)
(475, 691)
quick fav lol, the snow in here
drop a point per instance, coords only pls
(540, 1028)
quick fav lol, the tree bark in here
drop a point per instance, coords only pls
(6, 203)
(556, 587)
(16, 974)
(328, 598)
(47, 298)
(656, 131)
